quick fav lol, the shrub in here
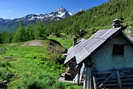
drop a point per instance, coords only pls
(35, 85)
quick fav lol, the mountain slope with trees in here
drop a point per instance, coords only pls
(95, 18)
(99, 17)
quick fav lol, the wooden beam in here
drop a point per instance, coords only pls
(119, 79)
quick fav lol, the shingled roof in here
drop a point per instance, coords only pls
(85, 48)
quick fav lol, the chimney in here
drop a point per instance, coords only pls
(117, 23)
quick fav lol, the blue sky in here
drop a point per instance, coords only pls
(10, 9)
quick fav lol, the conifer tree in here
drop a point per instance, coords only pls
(5, 37)
(20, 35)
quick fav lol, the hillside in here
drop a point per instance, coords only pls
(93, 19)
(96, 18)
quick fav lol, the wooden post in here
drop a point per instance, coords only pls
(85, 79)
(119, 79)
(88, 79)
(78, 77)
(82, 72)
(94, 83)
(90, 82)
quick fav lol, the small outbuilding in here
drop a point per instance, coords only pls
(103, 61)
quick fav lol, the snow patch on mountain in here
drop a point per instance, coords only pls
(59, 14)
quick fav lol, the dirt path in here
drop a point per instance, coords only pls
(34, 43)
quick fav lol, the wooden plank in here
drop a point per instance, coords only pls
(129, 83)
(100, 80)
(105, 80)
(128, 76)
(111, 85)
(119, 79)
(103, 72)
(123, 79)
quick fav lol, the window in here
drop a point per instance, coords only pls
(118, 50)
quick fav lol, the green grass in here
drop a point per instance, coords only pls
(65, 41)
(32, 67)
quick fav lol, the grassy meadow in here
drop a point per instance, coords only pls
(32, 67)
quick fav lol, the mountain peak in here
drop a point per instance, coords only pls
(59, 14)
(61, 10)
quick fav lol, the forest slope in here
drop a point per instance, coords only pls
(96, 18)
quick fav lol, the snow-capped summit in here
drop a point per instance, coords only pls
(61, 10)
(63, 13)
(56, 15)
(59, 14)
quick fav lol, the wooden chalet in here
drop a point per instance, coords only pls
(104, 61)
